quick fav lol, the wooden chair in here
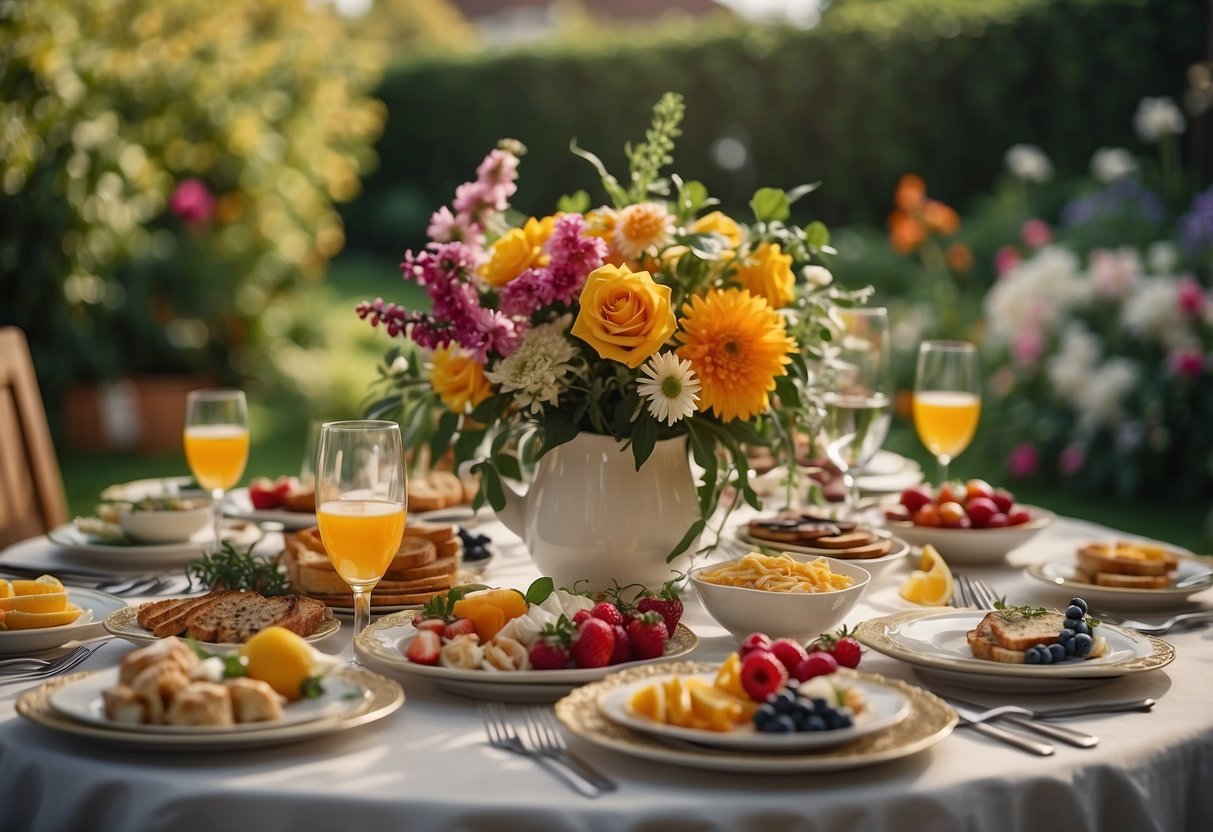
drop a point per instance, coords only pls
(31, 489)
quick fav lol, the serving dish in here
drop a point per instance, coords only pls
(1063, 575)
(96, 605)
(238, 506)
(124, 624)
(973, 547)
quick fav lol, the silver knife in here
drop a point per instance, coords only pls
(1069, 711)
(1070, 736)
(1019, 741)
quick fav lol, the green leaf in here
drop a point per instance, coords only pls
(644, 439)
(558, 428)
(467, 444)
(539, 590)
(696, 529)
(577, 202)
(490, 484)
(508, 467)
(441, 440)
(312, 687)
(816, 234)
(770, 205)
(610, 184)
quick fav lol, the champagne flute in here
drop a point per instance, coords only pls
(216, 445)
(857, 402)
(360, 504)
(947, 399)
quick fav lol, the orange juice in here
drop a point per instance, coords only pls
(216, 454)
(946, 420)
(361, 536)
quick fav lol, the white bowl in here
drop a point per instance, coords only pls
(799, 615)
(165, 525)
(973, 546)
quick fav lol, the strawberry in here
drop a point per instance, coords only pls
(666, 602)
(754, 641)
(425, 648)
(459, 627)
(594, 644)
(845, 650)
(648, 635)
(817, 664)
(791, 653)
(265, 493)
(608, 612)
(438, 625)
(580, 616)
(762, 674)
(551, 650)
(623, 646)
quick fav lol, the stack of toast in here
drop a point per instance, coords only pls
(229, 616)
(1002, 638)
(843, 539)
(1128, 565)
(425, 565)
(439, 490)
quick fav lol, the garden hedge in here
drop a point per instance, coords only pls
(941, 87)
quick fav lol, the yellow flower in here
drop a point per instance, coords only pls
(458, 380)
(516, 251)
(737, 346)
(641, 227)
(624, 315)
(718, 223)
(768, 272)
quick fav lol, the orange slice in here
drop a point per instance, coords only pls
(649, 702)
(717, 710)
(17, 620)
(48, 602)
(38, 586)
(6, 589)
(931, 586)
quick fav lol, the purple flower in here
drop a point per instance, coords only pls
(1124, 198)
(192, 202)
(572, 257)
(1023, 460)
(1196, 226)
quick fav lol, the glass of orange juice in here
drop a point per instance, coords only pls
(360, 503)
(216, 444)
(947, 399)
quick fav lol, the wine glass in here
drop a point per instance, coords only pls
(360, 503)
(947, 399)
(857, 402)
(216, 445)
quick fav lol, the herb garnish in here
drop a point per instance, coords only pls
(229, 569)
(1010, 612)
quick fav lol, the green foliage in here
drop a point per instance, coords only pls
(880, 88)
(107, 108)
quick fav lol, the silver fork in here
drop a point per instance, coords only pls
(981, 594)
(1185, 620)
(149, 584)
(30, 664)
(545, 738)
(960, 597)
(501, 734)
(77, 657)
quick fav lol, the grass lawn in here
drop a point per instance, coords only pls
(328, 378)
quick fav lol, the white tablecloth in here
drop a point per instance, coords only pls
(428, 767)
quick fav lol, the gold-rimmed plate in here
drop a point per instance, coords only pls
(929, 721)
(124, 623)
(96, 606)
(1065, 575)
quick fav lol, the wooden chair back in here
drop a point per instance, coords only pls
(31, 488)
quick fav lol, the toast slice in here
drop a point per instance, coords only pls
(172, 622)
(1006, 639)
(1131, 581)
(238, 615)
(1126, 558)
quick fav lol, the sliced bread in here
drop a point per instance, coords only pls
(172, 621)
(238, 615)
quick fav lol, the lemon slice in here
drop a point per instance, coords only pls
(281, 659)
(38, 586)
(17, 620)
(47, 602)
(931, 586)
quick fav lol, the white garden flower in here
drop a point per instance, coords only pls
(539, 369)
(1115, 274)
(817, 276)
(1153, 313)
(1158, 117)
(1070, 369)
(1038, 293)
(1029, 163)
(1162, 257)
(1111, 163)
(670, 386)
(1099, 404)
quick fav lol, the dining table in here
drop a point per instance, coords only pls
(429, 766)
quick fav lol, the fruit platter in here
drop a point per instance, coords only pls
(42, 614)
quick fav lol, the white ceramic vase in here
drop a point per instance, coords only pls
(590, 518)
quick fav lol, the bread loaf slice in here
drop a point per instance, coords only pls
(1005, 639)
(1132, 581)
(299, 615)
(1126, 558)
(172, 622)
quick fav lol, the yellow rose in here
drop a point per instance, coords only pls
(624, 315)
(516, 251)
(718, 223)
(767, 272)
(458, 380)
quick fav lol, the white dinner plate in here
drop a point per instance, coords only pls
(383, 697)
(124, 623)
(1064, 574)
(381, 646)
(96, 606)
(934, 641)
(236, 504)
(82, 700)
(99, 551)
(886, 706)
(875, 566)
(889, 473)
(928, 722)
(154, 487)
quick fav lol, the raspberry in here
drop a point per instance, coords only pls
(754, 641)
(762, 674)
(817, 664)
(790, 652)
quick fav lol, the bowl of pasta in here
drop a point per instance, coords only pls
(780, 595)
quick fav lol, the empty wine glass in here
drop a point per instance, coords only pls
(360, 503)
(947, 399)
(857, 401)
(216, 445)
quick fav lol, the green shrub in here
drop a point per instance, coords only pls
(107, 109)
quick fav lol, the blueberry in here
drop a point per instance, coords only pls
(1082, 644)
(1065, 635)
(1081, 604)
(782, 702)
(782, 724)
(792, 684)
(820, 705)
(1032, 656)
(1058, 652)
(1075, 612)
(801, 717)
(1069, 645)
(1081, 627)
(763, 716)
(816, 723)
(845, 720)
(1043, 655)
(835, 720)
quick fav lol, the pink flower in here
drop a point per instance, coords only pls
(1115, 273)
(1036, 233)
(192, 202)
(1187, 362)
(1023, 460)
(1005, 259)
(1071, 460)
(1192, 297)
(1028, 346)
(573, 257)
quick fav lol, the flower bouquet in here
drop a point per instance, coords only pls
(650, 318)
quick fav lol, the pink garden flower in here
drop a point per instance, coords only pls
(1036, 234)
(1023, 460)
(1005, 259)
(1115, 273)
(1071, 460)
(1187, 362)
(1029, 346)
(1192, 298)
(192, 202)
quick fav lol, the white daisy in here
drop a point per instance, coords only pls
(1158, 117)
(670, 386)
(538, 370)
(1111, 163)
(1029, 163)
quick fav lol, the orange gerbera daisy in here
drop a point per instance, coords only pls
(916, 216)
(737, 346)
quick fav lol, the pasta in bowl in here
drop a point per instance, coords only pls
(780, 595)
